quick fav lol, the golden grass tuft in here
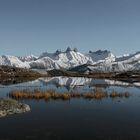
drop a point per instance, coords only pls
(116, 94)
(98, 93)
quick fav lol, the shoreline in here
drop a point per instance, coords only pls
(19, 75)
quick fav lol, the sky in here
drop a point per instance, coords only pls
(35, 26)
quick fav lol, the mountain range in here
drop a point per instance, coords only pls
(99, 61)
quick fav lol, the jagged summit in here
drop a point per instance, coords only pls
(28, 58)
(101, 55)
(99, 52)
(64, 59)
(57, 52)
(68, 49)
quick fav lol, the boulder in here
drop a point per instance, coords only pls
(10, 106)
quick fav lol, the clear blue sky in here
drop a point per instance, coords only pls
(35, 26)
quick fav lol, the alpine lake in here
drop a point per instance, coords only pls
(77, 118)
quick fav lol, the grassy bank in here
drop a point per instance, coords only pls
(16, 75)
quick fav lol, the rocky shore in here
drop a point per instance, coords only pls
(10, 106)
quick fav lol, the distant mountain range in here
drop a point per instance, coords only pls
(99, 61)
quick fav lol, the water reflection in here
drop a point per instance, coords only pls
(78, 118)
(73, 81)
(75, 84)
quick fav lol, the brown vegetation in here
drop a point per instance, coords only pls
(50, 94)
(115, 94)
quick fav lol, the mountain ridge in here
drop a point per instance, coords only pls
(101, 60)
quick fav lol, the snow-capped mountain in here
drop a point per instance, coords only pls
(67, 59)
(111, 63)
(13, 61)
(44, 63)
(99, 61)
(28, 58)
(117, 64)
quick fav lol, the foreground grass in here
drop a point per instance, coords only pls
(50, 94)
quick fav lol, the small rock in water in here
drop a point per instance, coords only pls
(10, 106)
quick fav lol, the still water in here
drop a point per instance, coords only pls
(77, 118)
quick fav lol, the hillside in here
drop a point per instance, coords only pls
(16, 75)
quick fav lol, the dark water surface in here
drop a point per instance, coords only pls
(106, 119)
